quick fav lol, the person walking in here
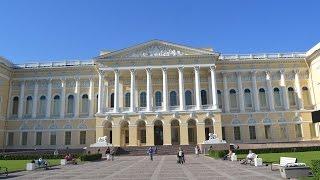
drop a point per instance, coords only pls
(150, 152)
(197, 150)
(112, 154)
(180, 156)
(108, 154)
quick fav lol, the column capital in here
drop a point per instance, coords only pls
(101, 72)
(238, 73)
(116, 71)
(63, 80)
(196, 68)
(282, 71)
(213, 67)
(296, 71)
(164, 69)
(77, 78)
(149, 69)
(180, 69)
(254, 72)
(132, 71)
(91, 78)
(224, 73)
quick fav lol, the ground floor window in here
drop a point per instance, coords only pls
(237, 134)
(224, 133)
(298, 130)
(10, 139)
(252, 131)
(267, 131)
(143, 136)
(83, 135)
(53, 138)
(38, 138)
(24, 138)
(67, 138)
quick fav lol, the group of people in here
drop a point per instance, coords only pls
(70, 158)
(110, 154)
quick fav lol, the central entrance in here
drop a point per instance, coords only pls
(158, 133)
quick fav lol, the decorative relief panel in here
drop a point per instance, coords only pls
(155, 51)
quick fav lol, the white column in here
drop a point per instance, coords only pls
(132, 90)
(240, 92)
(225, 93)
(77, 99)
(63, 98)
(213, 87)
(270, 91)
(9, 109)
(91, 97)
(101, 92)
(35, 99)
(197, 87)
(182, 102)
(48, 109)
(165, 104)
(149, 90)
(21, 99)
(284, 90)
(116, 90)
(255, 90)
(298, 88)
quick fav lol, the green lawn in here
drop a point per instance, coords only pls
(304, 157)
(15, 165)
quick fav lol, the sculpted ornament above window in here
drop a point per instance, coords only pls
(156, 51)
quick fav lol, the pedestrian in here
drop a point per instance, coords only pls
(150, 152)
(180, 156)
(108, 153)
(197, 150)
(112, 154)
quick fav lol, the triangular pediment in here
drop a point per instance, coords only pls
(155, 48)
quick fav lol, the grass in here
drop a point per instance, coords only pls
(303, 157)
(18, 165)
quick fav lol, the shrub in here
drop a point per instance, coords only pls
(91, 157)
(315, 167)
(217, 154)
(34, 156)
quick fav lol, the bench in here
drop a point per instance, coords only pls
(4, 171)
(283, 162)
(36, 165)
(64, 162)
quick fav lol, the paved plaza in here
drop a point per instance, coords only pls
(163, 167)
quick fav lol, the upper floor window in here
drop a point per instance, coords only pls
(188, 97)
(29, 105)
(277, 96)
(233, 98)
(15, 105)
(306, 96)
(247, 98)
(219, 98)
(204, 100)
(143, 99)
(112, 100)
(43, 105)
(127, 100)
(158, 98)
(85, 103)
(291, 95)
(173, 98)
(56, 105)
(70, 108)
(262, 97)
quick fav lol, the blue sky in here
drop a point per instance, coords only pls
(44, 30)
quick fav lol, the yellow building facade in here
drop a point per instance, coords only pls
(160, 93)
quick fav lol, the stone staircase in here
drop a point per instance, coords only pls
(161, 150)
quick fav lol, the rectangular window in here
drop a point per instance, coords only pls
(24, 138)
(224, 133)
(53, 138)
(312, 130)
(143, 136)
(38, 138)
(10, 138)
(267, 131)
(83, 136)
(67, 138)
(298, 131)
(252, 131)
(237, 134)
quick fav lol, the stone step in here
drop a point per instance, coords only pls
(161, 150)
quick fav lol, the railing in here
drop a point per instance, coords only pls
(173, 108)
(190, 107)
(262, 56)
(54, 64)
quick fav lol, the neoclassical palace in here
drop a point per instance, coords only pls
(160, 93)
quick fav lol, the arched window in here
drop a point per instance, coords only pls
(143, 99)
(306, 96)
(85, 104)
(97, 101)
(233, 98)
(112, 100)
(262, 97)
(70, 108)
(219, 98)
(43, 105)
(188, 97)
(204, 100)
(277, 96)
(173, 98)
(291, 95)
(56, 105)
(247, 98)
(29, 105)
(158, 98)
(15, 105)
(127, 100)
